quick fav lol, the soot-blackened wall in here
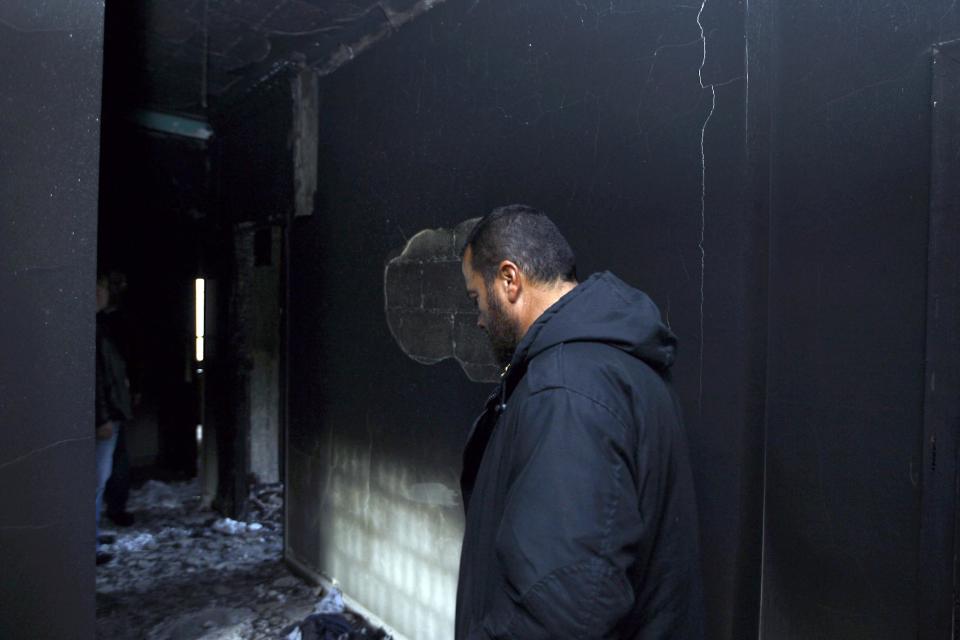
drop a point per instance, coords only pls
(850, 112)
(607, 116)
(761, 169)
(50, 57)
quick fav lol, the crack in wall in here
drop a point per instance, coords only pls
(703, 198)
(42, 449)
(30, 527)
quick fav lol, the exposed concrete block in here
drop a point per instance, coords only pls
(460, 233)
(427, 308)
(427, 336)
(443, 287)
(403, 280)
(430, 245)
(471, 344)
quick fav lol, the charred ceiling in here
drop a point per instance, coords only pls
(199, 56)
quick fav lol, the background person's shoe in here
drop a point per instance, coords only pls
(122, 518)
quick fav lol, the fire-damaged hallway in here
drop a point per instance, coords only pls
(182, 571)
(276, 193)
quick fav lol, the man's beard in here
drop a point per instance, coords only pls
(502, 333)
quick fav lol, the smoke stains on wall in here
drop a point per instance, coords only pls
(428, 311)
(761, 170)
(591, 111)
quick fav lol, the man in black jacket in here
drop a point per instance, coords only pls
(580, 513)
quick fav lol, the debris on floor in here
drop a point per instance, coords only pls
(332, 602)
(159, 495)
(212, 623)
(133, 543)
(185, 573)
(330, 621)
(233, 527)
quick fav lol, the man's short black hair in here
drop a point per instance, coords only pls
(525, 236)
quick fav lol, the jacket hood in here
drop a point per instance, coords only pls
(603, 308)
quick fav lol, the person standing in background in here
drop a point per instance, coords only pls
(115, 324)
(112, 405)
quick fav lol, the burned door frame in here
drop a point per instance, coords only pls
(265, 162)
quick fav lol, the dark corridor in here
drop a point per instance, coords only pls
(151, 229)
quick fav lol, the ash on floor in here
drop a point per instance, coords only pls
(183, 573)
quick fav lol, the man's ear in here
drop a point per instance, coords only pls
(510, 278)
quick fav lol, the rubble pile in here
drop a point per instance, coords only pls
(266, 504)
(331, 621)
(185, 573)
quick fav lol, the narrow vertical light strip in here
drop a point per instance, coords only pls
(200, 299)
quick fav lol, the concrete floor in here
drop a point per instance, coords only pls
(183, 573)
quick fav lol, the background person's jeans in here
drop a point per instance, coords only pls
(104, 461)
(118, 486)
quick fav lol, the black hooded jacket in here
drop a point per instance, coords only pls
(580, 513)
